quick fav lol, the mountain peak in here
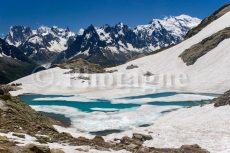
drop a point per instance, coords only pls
(90, 29)
(18, 34)
(182, 16)
(105, 26)
(91, 26)
(44, 41)
(176, 19)
(120, 24)
(177, 26)
(81, 31)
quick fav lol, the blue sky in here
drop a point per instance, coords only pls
(81, 13)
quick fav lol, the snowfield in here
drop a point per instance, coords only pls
(206, 126)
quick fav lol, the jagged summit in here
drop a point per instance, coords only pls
(42, 44)
(19, 35)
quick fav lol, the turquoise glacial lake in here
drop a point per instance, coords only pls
(102, 117)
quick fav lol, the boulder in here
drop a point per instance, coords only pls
(83, 78)
(131, 146)
(131, 67)
(142, 137)
(98, 140)
(127, 141)
(147, 74)
(37, 148)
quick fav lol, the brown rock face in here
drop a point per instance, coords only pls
(191, 55)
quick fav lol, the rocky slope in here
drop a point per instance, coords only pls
(111, 45)
(42, 44)
(13, 63)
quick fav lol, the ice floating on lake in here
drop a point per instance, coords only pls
(116, 114)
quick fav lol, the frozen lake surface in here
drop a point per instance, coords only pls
(105, 116)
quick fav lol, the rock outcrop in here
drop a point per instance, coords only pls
(223, 100)
(81, 66)
(191, 55)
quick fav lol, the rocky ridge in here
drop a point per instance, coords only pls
(220, 12)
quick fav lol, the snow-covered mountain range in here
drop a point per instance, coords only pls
(107, 45)
(42, 44)
(116, 44)
(167, 31)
